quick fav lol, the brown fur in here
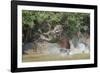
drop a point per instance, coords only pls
(64, 43)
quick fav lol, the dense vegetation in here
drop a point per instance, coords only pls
(72, 23)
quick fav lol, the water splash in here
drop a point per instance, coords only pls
(53, 48)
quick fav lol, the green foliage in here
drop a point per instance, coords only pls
(72, 22)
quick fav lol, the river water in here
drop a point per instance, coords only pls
(53, 48)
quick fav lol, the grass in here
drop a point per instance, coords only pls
(42, 57)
